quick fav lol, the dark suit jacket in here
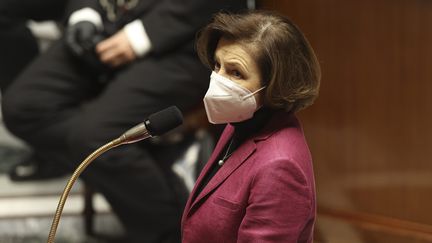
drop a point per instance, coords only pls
(264, 192)
(168, 23)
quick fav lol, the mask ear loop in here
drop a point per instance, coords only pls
(253, 93)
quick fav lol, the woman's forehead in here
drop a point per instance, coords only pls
(233, 51)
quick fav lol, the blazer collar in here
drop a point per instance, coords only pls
(279, 120)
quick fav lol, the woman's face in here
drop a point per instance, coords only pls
(233, 61)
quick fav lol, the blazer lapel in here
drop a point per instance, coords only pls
(232, 163)
(224, 138)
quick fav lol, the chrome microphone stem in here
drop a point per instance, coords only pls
(135, 134)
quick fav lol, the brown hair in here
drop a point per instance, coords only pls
(287, 63)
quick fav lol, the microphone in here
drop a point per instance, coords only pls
(156, 124)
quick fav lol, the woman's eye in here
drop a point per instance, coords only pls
(236, 74)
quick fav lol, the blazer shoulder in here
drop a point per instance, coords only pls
(286, 150)
(286, 142)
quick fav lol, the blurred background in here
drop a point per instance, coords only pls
(368, 131)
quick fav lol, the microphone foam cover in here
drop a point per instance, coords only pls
(162, 121)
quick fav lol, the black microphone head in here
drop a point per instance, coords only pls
(162, 121)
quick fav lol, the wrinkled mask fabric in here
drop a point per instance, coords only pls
(228, 102)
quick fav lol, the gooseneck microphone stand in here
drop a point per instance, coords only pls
(71, 182)
(157, 124)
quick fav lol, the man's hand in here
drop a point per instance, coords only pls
(116, 50)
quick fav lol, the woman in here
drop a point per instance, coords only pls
(258, 185)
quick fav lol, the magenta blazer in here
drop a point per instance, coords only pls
(265, 192)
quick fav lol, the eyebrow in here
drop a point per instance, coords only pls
(236, 63)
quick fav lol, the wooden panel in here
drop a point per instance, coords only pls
(370, 131)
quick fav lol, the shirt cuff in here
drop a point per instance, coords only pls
(86, 14)
(138, 37)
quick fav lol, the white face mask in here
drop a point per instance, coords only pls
(226, 101)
